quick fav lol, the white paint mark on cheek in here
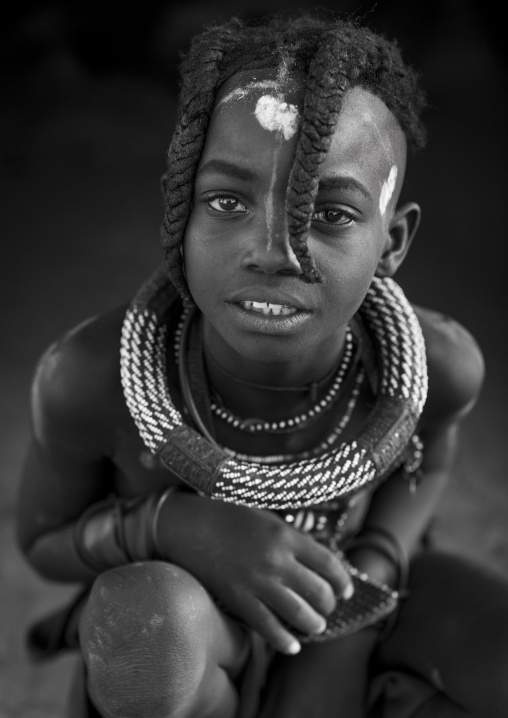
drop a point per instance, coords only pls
(387, 190)
(276, 115)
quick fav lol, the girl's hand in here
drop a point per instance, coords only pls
(262, 570)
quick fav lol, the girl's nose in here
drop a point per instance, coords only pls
(269, 251)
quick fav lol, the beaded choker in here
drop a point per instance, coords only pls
(339, 472)
(291, 423)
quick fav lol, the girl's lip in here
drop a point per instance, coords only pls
(268, 323)
(269, 296)
(268, 308)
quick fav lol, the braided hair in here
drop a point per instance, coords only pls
(333, 56)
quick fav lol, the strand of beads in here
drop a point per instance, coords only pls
(291, 424)
(178, 334)
(325, 445)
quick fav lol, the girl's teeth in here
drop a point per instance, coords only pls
(268, 309)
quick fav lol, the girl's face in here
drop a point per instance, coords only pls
(239, 265)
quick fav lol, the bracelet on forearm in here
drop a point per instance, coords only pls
(382, 541)
(118, 531)
(161, 500)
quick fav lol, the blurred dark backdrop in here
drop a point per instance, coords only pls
(86, 112)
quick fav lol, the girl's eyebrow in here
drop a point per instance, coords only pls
(244, 173)
(227, 168)
(344, 183)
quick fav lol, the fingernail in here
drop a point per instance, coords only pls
(294, 648)
(348, 592)
(322, 627)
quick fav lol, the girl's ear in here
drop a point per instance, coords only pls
(402, 229)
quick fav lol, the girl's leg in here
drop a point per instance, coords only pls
(453, 631)
(439, 707)
(156, 645)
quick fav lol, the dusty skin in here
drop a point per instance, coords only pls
(282, 581)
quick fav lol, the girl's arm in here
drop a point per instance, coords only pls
(66, 468)
(404, 512)
(51, 500)
(456, 372)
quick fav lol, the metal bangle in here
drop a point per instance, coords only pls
(155, 519)
(85, 557)
(389, 547)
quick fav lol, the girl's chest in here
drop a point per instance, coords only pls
(138, 472)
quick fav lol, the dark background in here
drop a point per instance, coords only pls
(87, 110)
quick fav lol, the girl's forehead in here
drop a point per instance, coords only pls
(245, 85)
(275, 97)
(278, 86)
(366, 123)
(268, 98)
(258, 113)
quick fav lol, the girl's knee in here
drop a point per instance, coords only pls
(143, 636)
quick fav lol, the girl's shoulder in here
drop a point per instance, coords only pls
(455, 365)
(76, 386)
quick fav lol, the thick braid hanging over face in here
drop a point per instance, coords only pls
(326, 83)
(201, 75)
(334, 57)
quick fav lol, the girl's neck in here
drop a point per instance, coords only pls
(272, 391)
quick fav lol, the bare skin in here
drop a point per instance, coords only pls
(274, 579)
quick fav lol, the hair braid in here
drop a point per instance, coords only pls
(321, 106)
(200, 77)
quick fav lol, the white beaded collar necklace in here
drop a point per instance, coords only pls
(340, 472)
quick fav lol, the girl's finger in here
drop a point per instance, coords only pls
(293, 610)
(312, 587)
(262, 620)
(326, 564)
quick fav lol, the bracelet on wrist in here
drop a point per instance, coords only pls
(161, 500)
(118, 531)
(383, 542)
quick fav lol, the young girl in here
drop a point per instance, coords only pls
(241, 466)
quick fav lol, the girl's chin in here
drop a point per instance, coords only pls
(238, 335)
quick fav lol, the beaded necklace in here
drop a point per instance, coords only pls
(300, 421)
(347, 362)
(339, 472)
(323, 446)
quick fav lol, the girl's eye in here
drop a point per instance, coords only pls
(227, 204)
(332, 216)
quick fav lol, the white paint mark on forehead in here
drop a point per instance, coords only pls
(269, 204)
(282, 74)
(240, 92)
(275, 115)
(387, 190)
